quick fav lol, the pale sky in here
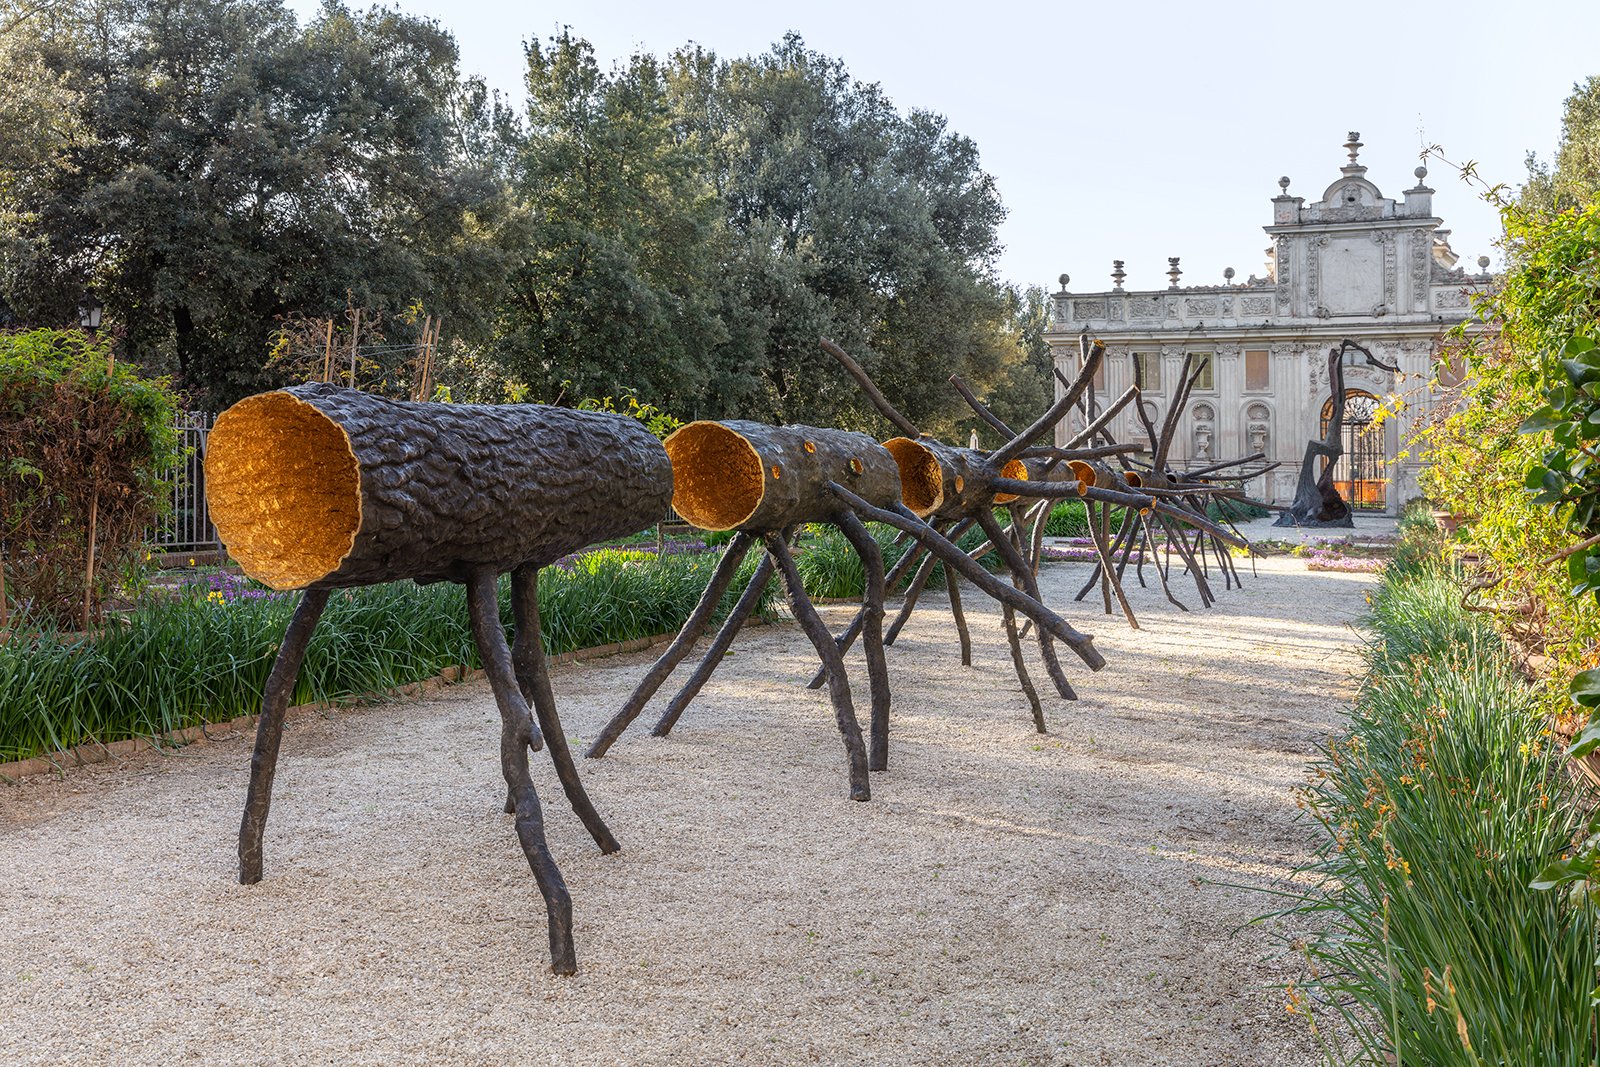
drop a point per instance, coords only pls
(1138, 131)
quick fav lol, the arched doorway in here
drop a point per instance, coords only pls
(1361, 474)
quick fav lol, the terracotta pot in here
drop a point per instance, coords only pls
(1447, 521)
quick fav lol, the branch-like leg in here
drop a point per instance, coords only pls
(901, 518)
(1030, 585)
(681, 645)
(872, 638)
(1014, 639)
(1162, 562)
(838, 685)
(533, 677)
(269, 730)
(1099, 532)
(1022, 668)
(952, 586)
(1176, 539)
(848, 638)
(516, 733)
(719, 647)
(1096, 520)
(913, 591)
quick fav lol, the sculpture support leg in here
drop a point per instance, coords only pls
(848, 638)
(1099, 531)
(516, 733)
(901, 518)
(952, 586)
(719, 647)
(838, 685)
(682, 645)
(1030, 585)
(913, 591)
(533, 677)
(269, 730)
(872, 638)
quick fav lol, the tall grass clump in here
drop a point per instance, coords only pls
(204, 656)
(1438, 811)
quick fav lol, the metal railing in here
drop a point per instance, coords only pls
(188, 528)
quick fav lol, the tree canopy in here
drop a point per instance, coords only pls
(681, 229)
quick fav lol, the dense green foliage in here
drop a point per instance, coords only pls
(219, 167)
(682, 229)
(1480, 466)
(1439, 811)
(82, 444)
(205, 656)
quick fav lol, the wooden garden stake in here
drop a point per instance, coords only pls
(88, 580)
(327, 353)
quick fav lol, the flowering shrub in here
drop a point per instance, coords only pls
(79, 441)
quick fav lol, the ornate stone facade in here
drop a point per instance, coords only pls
(1352, 264)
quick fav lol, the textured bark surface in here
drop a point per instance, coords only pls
(758, 478)
(323, 486)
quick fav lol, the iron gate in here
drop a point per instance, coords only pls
(188, 528)
(1360, 474)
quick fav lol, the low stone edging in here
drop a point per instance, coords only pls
(95, 752)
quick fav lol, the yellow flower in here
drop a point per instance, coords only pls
(191, 561)
(216, 597)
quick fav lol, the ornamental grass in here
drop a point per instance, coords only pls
(1438, 811)
(203, 656)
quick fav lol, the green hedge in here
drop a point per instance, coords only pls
(205, 656)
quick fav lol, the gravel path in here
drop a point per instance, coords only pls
(1006, 898)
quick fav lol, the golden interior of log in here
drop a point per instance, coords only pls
(1013, 469)
(284, 489)
(921, 482)
(717, 479)
(1085, 473)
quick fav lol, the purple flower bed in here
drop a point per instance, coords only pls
(1329, 561)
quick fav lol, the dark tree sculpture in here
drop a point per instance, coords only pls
(319, 488)
(1316, 499)
(764, 481)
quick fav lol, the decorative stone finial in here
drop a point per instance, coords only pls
(1227, 274)
(1117, 274)
(1173, 273)
(1064, 279)
(1483, 264)
(1283, 183)
(1421, 173)
(1353, 146)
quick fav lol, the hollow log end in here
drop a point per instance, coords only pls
(283, 488)
(718, 482)
(921, 479)
(1014, 469)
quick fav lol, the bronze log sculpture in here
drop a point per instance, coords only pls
(318, 487)
(765, 481)
(1177, 499)
(955, 488)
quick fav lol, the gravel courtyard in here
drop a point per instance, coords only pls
(1075, 898)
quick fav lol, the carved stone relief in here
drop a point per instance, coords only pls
(1145, 307)
(1089, 309)
(1256, 305)
(1314, 249)
(1201, 306)
(1450, 299)
(1281, 262)
(1421, 252)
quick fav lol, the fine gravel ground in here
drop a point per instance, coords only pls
(1080, 897)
